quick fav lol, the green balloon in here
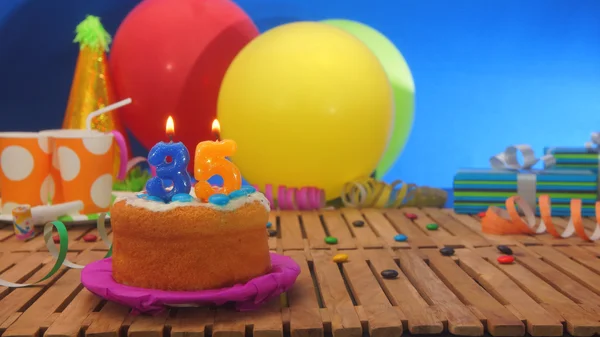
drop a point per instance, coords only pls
(401, 81)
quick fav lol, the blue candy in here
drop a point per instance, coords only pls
(269, 224)
(248, 189)
(142, 195)
(182, 197)
(154, 198)
(237, 194)
(400, 238)
(218, 199)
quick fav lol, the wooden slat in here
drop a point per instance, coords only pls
(575, 270)
(315, 234)
(383, 227)
(108, 322)
(22, 297)
(148, 326)
(539, 321)
(70, 321)
(291, 235)
(266, 322)
(191, 322)
(416, 237)
(60, 292)
(567, 286)
(461, 320)
(441, 236)
(421, 318)
(383, 319)
(578, 321)
(344, 320)
(81, 245)
(337, 227)
(499, 320)
(229, 323)
(467, 236)
(583, 256)
(305, 317)
(364, 235)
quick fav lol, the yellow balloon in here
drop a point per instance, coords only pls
(308, 105)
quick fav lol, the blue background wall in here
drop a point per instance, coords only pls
(487, 73)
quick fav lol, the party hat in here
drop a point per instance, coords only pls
(92, 86)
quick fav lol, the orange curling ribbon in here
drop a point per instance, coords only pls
(499, 221)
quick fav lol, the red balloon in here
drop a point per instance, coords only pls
(170, 58)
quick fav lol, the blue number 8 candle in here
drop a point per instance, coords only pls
(174, 170)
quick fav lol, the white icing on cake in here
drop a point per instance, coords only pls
(162, 207)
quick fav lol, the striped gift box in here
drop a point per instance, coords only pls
(575, 158)
(476, 190)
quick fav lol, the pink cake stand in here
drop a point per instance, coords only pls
(97, 278)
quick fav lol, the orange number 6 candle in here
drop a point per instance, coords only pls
(210, 161)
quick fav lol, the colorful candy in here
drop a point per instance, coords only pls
(218, 199)
(506, 259)
(181, 197)
(389, 274)
(90, 238)
(432, 226)
(411, 216)
(505, 250)
(447, 251)
(330, 240)
(358, 223)
(340, 258)
(400, 238)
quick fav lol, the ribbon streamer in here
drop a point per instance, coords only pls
(373, 193)
(60, 254)
(293, 198)
(499, 221)
(508, 159)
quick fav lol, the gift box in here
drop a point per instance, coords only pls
(477, 189)
(575, 158)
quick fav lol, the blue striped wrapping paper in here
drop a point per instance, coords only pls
(575, 158)
(476, 190)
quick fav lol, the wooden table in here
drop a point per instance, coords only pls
(551, 290)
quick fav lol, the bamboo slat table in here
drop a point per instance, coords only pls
(552, 289)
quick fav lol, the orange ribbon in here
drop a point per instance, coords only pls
(499, 221)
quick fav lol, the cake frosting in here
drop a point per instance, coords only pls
(233, 204)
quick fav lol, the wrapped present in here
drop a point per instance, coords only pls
(577, 158)
(477, 189)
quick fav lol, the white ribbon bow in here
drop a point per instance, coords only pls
(508, 159)
(594, 141)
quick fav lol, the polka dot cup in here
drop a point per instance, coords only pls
(24, 170)
(85, 161)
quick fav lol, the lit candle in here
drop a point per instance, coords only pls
(210, 160)
(174, 170)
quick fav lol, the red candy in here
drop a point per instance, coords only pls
(481, 214)
(90, 238)
(56, 238)
(506, 259)
(411, 216)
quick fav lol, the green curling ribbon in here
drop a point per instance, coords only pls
(60, 254)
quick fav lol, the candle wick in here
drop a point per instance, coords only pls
(171, 138)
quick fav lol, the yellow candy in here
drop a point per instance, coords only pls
(340, 258)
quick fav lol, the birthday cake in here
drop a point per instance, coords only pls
(188, 244)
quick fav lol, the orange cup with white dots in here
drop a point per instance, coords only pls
(24, 170)
(85, 160)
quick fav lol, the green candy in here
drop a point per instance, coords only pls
(432, 226)
(330, 240)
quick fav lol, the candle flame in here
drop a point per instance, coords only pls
(216, 126)
(170, 129)
(216, 129)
